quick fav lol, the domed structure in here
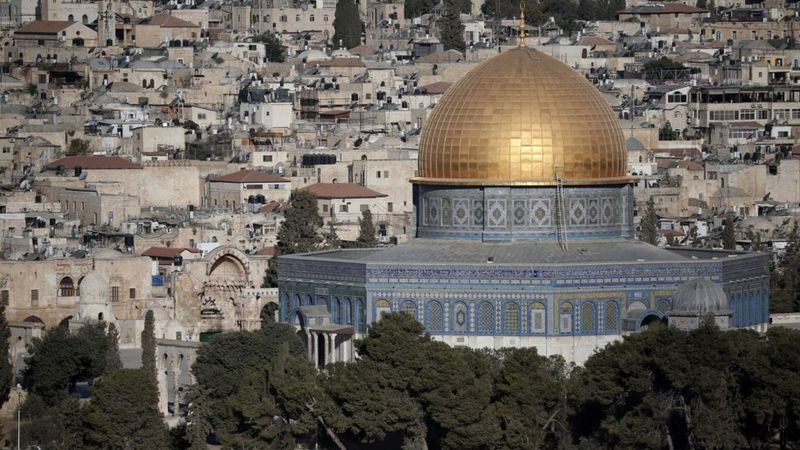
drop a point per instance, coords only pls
(700, 296)
(696, 299)
(93, 303)
(522, 118)
(93, 289)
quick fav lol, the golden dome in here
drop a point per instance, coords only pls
(522, 118)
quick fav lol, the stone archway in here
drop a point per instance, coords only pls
(221, 296)
(651, 319)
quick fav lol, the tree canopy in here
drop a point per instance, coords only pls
(649, 224)
(346, 25)
(366, 230)
(275, 50)
(451, 30)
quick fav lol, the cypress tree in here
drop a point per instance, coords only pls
(113, 362)
(346, 25)
(149, 345)
(729, 232)
(451, 30)
(6, 371)
(298, 232)
(366, 230)
(649, 224)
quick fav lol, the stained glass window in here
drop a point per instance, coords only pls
(382, 307)
(565, 318)
(362, 315)
(486, 318)
(435, 317)
(460, 318)
(587, 318)
(611, 316)
(537, 318)
(663, 306)
(512, 318)
(410, 309)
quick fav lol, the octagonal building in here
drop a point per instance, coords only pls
(524, 231)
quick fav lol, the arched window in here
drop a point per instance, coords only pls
(71, 18)
(435, 317)
(410, 308)
(293, 307)
(460, 323)
(611, 317)
(512, 318)
(66, 287)
(663, 305)
(565, 318)
(339, 311)
(307, 300)
(587, 318)
(362, 315)
(486, 318)
(382, 307)
(538, 318)
(349, 305)
(85, 19)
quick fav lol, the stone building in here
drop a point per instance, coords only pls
(524, 230)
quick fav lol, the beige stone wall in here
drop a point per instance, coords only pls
(148, 139)
(178, 186)
(20, 277)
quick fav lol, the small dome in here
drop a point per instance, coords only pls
(700, 297)
(94, 289)
(634, 144)
(107, 253)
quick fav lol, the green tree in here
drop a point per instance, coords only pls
(59, 360)
(32, 89)
(729, 232)
(298, 233)
(113, 361)
(451, 30)
(51, 427)
(275, 50)
(6, 370)
(346, 25)
(649, 224)
(78, 147)
(330, 239)
(416, 8)
(239, 389)
(532, 399)
(366, 230)
(123, 413)
(785, 277)
(149, 345)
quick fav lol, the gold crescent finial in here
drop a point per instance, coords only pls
(522, 23)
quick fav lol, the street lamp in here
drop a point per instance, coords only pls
(19, 416)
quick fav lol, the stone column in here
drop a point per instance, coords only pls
(163, 394)
(314, 350)
(309, 350)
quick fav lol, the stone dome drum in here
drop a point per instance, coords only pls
(522, 118)
(700, 297)
(93, 289)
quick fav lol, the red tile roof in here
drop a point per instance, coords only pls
(167, 252)
(92, 162)
(342, 190)
(167, 21)
(266, 251)
(44, 27)
(249, 176)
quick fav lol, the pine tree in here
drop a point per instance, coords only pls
(649, 224)
(366, 230)
(729, 232)
(331, 238)
(124, 413)
(6, 372)
(298, 233)
(275, 50)
(113, 362)
(346, 25)
(149, 345)
(451, 30)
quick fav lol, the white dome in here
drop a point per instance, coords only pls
(699, 297)
(94, 289)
